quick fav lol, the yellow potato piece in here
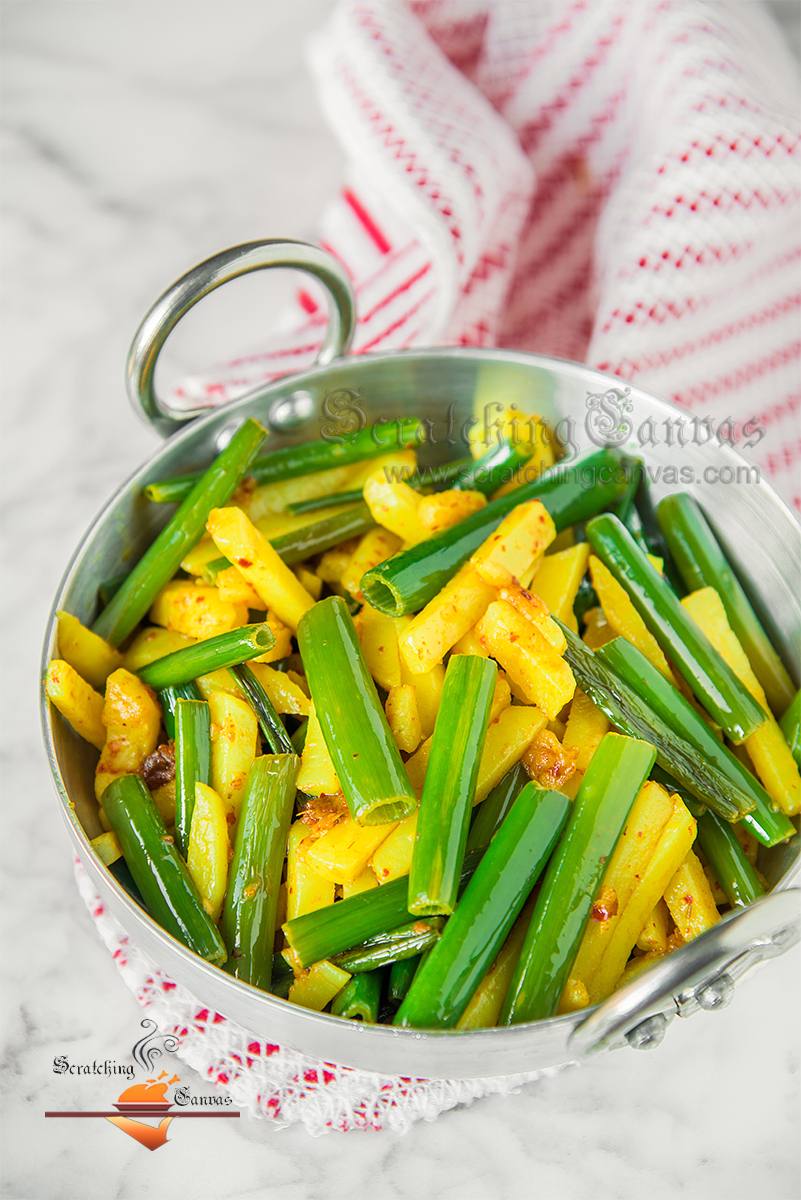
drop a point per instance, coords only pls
(530, 606)
(544, 678)
(378, 637)
(243, 545)
(623, 618)
(152, 643)
(766, 747)
(557, 578)
(132, 717)
(234, 740)
(427, 687)
(689, 899)
(362, 883)
(674, 843)
(376, 546)
(343, 853)
(445, 619)
(196, 609)
(318, 985)
(445, 509)
(107, 848)
(393, 857)
(285, 694)
(235, 589)
(334, 562)
(403, 718)
(317, 776)
(586, 726)
(487, 1001)
(201, 553)
(274, 497)
(91, 656)
(394, 506)
(633, 851)
(209, 849)
(306, 891)
(513, 550)
(79, 703)
(654, 934)
(312, 582)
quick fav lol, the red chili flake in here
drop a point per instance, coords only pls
(244, 562)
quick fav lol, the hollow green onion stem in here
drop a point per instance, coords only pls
(192, 762)
(306, 459)
(164, 556)
(270, 723)
(612, 781)
(701, 562)
(491, 904)
(363, 751)
(715, 685)
(450, 784)
(213, 654)
(570, 492)
(158, 869)
(251, 905)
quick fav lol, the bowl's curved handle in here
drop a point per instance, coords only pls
(700, 975)
(160, 320)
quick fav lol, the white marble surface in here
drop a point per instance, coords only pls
(141, 137)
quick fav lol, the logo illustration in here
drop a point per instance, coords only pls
(144, 1102)
(605, 423)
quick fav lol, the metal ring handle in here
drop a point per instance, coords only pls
(160, 320)
(692, 977)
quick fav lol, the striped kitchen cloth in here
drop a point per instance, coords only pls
(611, 181)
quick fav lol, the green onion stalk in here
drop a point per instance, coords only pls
(270, 723)
(791, 727)
(362, 748)
(212, 654)
(701, 563)
(158, 870)
(349, 923)
(360, 998)
(428, 477)
(717, 688)
(490, 814)
(616, 773)
(192, 762)
(407, 941)
(570, 492)
(634, 669)
(401, 974)
(164, 556)
(491, 904)
(450, 784)
(169, 697)
(633, 716)
(726, 857)
(251, 905)
(306, 459)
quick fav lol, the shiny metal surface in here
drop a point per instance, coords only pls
(160, 320)
(447, 385)
(701, 976)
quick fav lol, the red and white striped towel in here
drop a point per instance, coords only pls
(615, 181)
(609, 180)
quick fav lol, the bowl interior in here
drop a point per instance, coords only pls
(453, 389)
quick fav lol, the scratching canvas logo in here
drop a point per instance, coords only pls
(606, 422)
(143, 1110)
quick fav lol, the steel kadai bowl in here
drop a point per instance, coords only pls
(448, 387)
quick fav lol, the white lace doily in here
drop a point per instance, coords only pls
(268, 1081)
